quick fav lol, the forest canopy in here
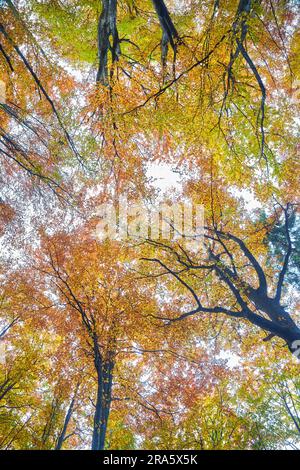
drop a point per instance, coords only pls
(149, 224)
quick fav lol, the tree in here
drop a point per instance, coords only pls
(228, 263)
(142, 342)
(96, 298)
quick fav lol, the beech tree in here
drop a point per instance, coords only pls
(230, 264)
(144, 342)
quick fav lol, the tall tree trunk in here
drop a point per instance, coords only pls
(107, 28)
(104, 369)
(107, 392)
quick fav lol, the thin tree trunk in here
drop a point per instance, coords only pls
(62, 436)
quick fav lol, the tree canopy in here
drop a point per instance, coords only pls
(173, 336)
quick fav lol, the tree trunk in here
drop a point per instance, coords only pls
(107, 388)
(169, 32)
(283, 324)
(107, 27)
(104, 369)
(62, 436)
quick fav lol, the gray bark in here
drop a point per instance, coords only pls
(108, 38)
